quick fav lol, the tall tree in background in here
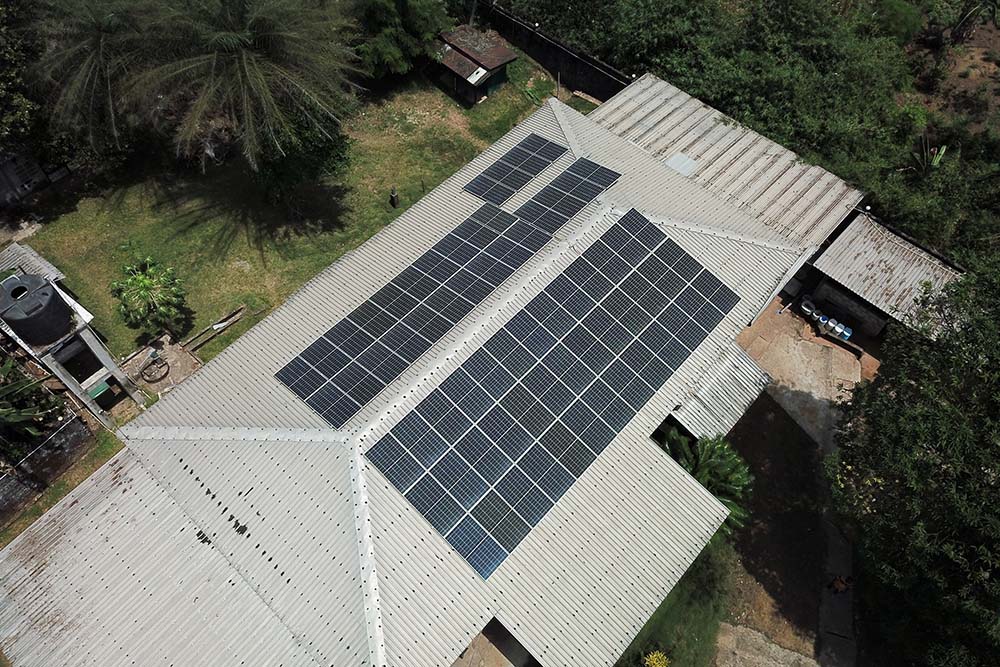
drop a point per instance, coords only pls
(92, 46)
(919, 472)
(398, 32)
(244, 71)
(208, 72)
(17, 111)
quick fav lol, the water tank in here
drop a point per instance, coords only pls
(33, 308)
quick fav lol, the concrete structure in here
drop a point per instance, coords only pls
(237, 527)
(77, 347)
(886, 270)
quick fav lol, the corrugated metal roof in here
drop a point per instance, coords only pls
(724, 395)
(352, 570)
(117, 574)
(803, 203)
(883, 268)
(21, 256)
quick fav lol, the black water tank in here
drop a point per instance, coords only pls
(34, 310)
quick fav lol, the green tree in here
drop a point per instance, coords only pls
(17, 110)
(398, 32)
(918, 472)
(92, 46)
(243, 72)
(719, 468)
(150, 297)
(24, 405)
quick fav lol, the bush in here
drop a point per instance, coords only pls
(719, 468)
(151, 297)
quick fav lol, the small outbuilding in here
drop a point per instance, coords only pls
(473, 64)
(873, 274)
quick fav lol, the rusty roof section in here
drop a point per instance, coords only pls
(487, 49)
(883, 268)
(456, 62)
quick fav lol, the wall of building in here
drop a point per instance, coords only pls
(855, 312)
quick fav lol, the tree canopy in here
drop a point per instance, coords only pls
(398, 32)
(919, 472)
(17, 110)
(209, 73)
(828, 79)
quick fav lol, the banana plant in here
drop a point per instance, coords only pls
(23, 403)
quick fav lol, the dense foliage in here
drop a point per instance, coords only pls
(24, 405)
(828, 79)
(17, 110)
(919, 471)
(398, 33)
(150, 297)
(210, 74)
(719, 468)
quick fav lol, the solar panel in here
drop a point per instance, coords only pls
(350, 364)
(574, 376)
(360, 355)
(566, 195)
(515, 168)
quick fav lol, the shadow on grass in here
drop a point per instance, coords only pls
(228, 203)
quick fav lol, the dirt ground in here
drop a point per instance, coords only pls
(743, 647)
(971, 85)
(779, 569)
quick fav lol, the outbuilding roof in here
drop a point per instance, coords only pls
(800, 202)
(277, 513)
(22, 257)
(883, 268)
(487, 49)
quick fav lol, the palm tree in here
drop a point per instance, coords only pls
(717, 467)
(150, 296)
(246, 71)
(92, 46)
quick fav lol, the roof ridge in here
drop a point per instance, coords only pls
(234, 433)
(558, 109)
(318, 660)
(711, 231)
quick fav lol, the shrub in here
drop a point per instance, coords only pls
(150, 296)
(719, 468)
(656, 659)
(25, 409)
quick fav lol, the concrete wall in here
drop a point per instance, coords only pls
(854, 311)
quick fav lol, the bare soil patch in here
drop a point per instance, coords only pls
(778, 567)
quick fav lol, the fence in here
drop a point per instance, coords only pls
(42, 466)
(576, 71)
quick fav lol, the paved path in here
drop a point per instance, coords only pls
(743, 647)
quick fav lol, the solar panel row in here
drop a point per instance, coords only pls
(358, 357)
(488, 453)
(498, 182)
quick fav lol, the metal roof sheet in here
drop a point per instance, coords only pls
(23, 257)
(349, 560)
(724, 394)
(800, 202)
(883, 268)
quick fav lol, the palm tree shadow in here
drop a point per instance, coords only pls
(231, 203)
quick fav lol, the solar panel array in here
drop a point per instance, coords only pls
(498, 182)
(350, 364)
(486, 454)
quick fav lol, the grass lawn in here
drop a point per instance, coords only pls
(686, 624)
(230, 247)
